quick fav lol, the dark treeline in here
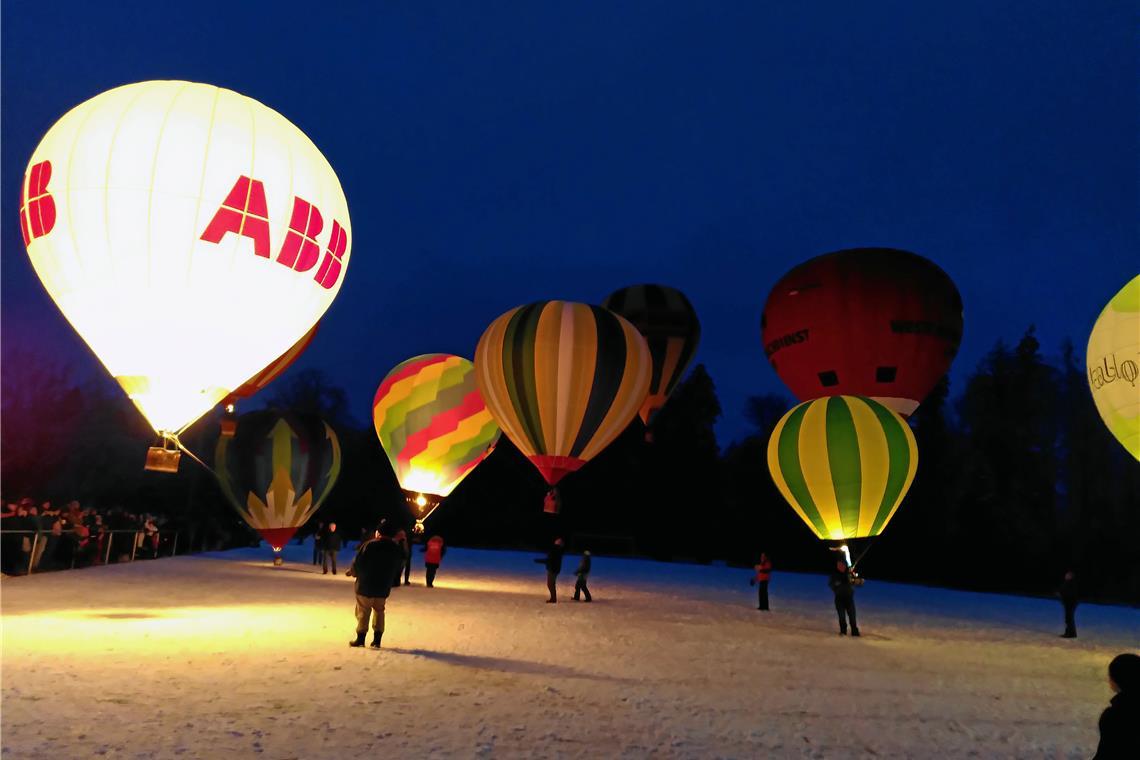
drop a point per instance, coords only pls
(1018, 479)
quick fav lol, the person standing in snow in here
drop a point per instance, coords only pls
(583, 573)
(405, 555)
(1120, 722)
(376, 564)
(433, 556)
(1068, 594)
(553, 562)
(843, 582)
(330, 545)
(763, 575)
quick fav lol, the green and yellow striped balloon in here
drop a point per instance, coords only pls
(562, 379)
(844, 463)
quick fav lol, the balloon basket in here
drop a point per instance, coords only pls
(278, 560)
(161, 458)
(418, 528)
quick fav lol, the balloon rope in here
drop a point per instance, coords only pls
(866, 549)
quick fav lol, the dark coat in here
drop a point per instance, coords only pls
(376, 564)
(1068, 592)
(1119, 728)
(330, 540)
(843, 584)
(583, 566)
(553, 559)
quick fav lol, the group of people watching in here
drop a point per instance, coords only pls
(46, 537)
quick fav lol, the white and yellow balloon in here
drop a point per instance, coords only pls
(190, 234)
(1113, 361)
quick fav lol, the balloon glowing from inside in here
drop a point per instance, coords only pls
(191, 235)
(1113, 358)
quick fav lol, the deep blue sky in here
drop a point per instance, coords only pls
(498, 153)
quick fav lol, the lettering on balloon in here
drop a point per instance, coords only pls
(245, 212)
(1109, 370)
(799, 336)
(37, 207)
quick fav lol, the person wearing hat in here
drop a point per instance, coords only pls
(553, 562)
(375, 566)
(1120, 722)
(583, 573)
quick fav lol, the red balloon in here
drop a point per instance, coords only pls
(877, 322)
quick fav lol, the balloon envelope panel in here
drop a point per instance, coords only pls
(1113, 361)
(875, 322)
(844, 464)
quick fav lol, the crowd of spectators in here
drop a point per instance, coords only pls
(39, 538)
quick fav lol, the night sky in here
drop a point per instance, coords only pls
(499, 153)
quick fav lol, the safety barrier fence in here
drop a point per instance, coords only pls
(130, 544)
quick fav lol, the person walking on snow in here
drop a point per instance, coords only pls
(843, 582)
(433, 556)
(330, 545)
(583, 573)
(1068, 594)
(763, 575)
(1120, 722)
(553, 562)
(376, 564)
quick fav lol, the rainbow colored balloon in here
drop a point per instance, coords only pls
(434, 427)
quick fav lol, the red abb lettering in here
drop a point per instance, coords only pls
(301, 249)
(245, 212)
(329, 272)
(37, 207)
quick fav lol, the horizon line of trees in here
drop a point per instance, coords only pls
(1018, 478)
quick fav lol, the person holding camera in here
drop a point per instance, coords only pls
(843, 582)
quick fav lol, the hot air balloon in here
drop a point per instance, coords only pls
(1113, 360)
(434, 427)
(875, 322)
(190, 235)
(262, 379)
(563, 380)
(844, 464)
(276, 470)
(667, 321)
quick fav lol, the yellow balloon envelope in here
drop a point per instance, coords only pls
(191, 235)
(844, 464)
(1114, 366)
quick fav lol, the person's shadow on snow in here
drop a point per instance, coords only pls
(504, 665)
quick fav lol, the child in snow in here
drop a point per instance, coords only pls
(433, 555)
(843, 582)
(553, 562)
(583, 573)
(1120, 722)
(763, 575)
(1068, 594)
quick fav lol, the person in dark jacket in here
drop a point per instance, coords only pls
(330, 545)
(1068, 594)
(583, 573)
(433, 556)
(375, 566)
(401, 540)
(1120, 722)
(843, 582)
(553, 562)
(763, 575)
(318, 537)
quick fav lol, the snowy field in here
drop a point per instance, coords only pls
(225, 656)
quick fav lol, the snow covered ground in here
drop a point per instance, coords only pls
(223, 655)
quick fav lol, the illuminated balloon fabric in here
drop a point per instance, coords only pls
(563, 380)
(190, 234)
(1113, 362)
(875, 322)
(433, 423)
(844, 463)
(277, 470)
(667, 321)
(274, 369)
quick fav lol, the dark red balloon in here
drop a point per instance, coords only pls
(877, 322)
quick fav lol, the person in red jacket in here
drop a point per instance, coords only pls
(433, 555)
(763, 575)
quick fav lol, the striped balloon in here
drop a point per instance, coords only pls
(563, 380)
(433, 425)
(277, 470)
(844, 463)
(669, 324)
